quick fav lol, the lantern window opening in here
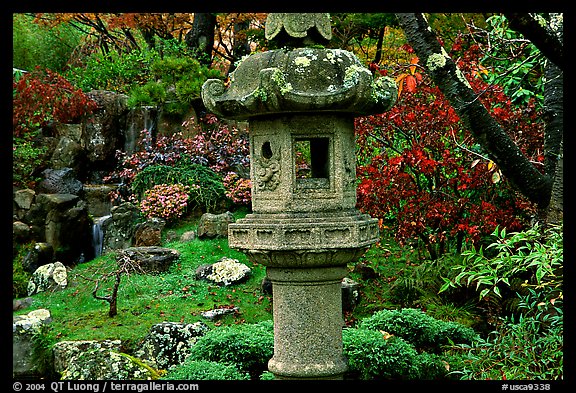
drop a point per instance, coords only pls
(266, 150)
(312, 162)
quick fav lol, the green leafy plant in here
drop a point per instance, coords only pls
(42, 355)
(521, 80)
(527, 347)
(20, 277)
(120, 72)
(532, 253)
(48, 47)
(27, 157)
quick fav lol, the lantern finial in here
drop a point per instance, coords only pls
(298, 30)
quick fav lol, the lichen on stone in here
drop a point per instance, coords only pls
(384, 89)
(280, 81)
(330, 57)
(301, 63)
(435, 61)
(352, 73)
(228, 271)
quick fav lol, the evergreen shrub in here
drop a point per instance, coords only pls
(374, 354)
(175, 81)
(420, 329)
(205, 370)
(248, 346)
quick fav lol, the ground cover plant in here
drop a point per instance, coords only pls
(147, 299)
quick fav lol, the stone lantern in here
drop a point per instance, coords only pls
(300, 102)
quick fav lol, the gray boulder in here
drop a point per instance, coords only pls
(149, 233)
(65, 351)
(168, 343)
(214, 225)
(60, 181)
(50, 277)
(24, 329)
(149, 259)
(107, 364)
(119, 230)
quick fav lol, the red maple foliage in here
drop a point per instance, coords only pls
(42, 96)
(425, 177)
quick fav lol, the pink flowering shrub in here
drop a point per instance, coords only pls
(238, 189)
(167, 201)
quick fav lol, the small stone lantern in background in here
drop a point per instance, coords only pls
(300, 102)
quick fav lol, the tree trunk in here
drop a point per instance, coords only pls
(486, 131)
(555, 211)
(113, 311)
(553, 141)
(379, 44)
(241, 45)
(545, 39)
(201, 37)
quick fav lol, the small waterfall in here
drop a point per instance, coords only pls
(98, 234)
(141, 123)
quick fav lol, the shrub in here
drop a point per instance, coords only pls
(218, 146)
(205, 188)
(20, 277)
(45, 46)
(238, 189)
(167, 201)
(42, 96)
(421, 330)
(421, 172)
(523, 349)
(175, 80)
(267, 376)
(373, 356)
(248, 346)
(115, 71)
(27, 157)
(529, 343)
(150, 94)
(205, 370)
(222, 147)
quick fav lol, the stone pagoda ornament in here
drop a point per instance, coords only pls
(300, 102)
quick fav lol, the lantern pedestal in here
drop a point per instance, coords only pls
(307, 323)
